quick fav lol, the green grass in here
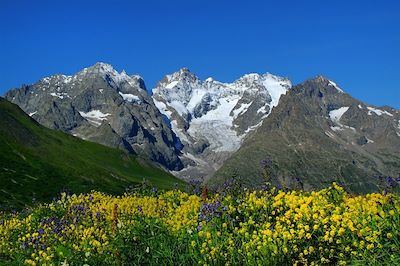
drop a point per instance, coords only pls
(37, 162)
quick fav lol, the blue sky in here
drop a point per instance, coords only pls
(355, 43)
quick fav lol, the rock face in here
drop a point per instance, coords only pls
(316, 135)
(212, 118)
(104, 106)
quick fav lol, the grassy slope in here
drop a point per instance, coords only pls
(39, 162)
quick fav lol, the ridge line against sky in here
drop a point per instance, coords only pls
(354, 43)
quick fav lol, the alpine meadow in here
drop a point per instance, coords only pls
(152, 133)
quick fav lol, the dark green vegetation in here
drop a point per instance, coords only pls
(298, 146)
(37, 163)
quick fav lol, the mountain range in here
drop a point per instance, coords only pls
(258, 128)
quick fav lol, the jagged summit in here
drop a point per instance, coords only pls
(212, 117)
(100, 104)
(324, 82)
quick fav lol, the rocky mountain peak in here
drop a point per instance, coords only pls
(323, 83)
(99, 68)
(101, 104)
(318, 134)
(212, 118)
(251, 77)
(183, 75)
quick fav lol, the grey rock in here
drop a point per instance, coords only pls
(104, 106)
(306, 142)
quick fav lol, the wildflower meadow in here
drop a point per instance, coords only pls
(260, 227)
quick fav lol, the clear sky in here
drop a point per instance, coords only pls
(354, 43)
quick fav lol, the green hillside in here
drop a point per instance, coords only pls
(37, 162)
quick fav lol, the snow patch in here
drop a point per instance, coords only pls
(275, 89)
(337, 128)
(369, 140)
(331, 83)
(60, 95)
(242, 109)
(330, 134)
(171, 85)
(337, 114)
(254, 127)
(94, 117)
(377, 111)
(129, 97)
(162, 107)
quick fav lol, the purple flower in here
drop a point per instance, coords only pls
(210, 210)
(199, 227)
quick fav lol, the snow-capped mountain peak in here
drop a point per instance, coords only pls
(218, 115)
(110, 75)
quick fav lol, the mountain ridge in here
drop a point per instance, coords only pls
(194, 127)
(309, 137)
